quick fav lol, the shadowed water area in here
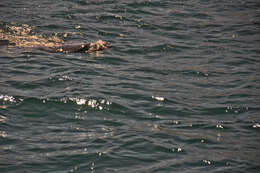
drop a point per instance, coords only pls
(178, 91)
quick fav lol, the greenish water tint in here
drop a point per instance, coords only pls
(178, 92)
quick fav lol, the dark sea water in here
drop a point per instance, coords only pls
(179, 91)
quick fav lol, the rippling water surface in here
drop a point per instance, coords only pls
(179, 91)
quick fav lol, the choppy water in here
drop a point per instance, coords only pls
(178, 92)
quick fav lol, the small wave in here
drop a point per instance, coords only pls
(6, 101)
(61, 78)
(93, 103)
(98, 104)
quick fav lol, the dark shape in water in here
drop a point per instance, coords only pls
(68, 48)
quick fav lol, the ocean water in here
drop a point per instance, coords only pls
(179, 91)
